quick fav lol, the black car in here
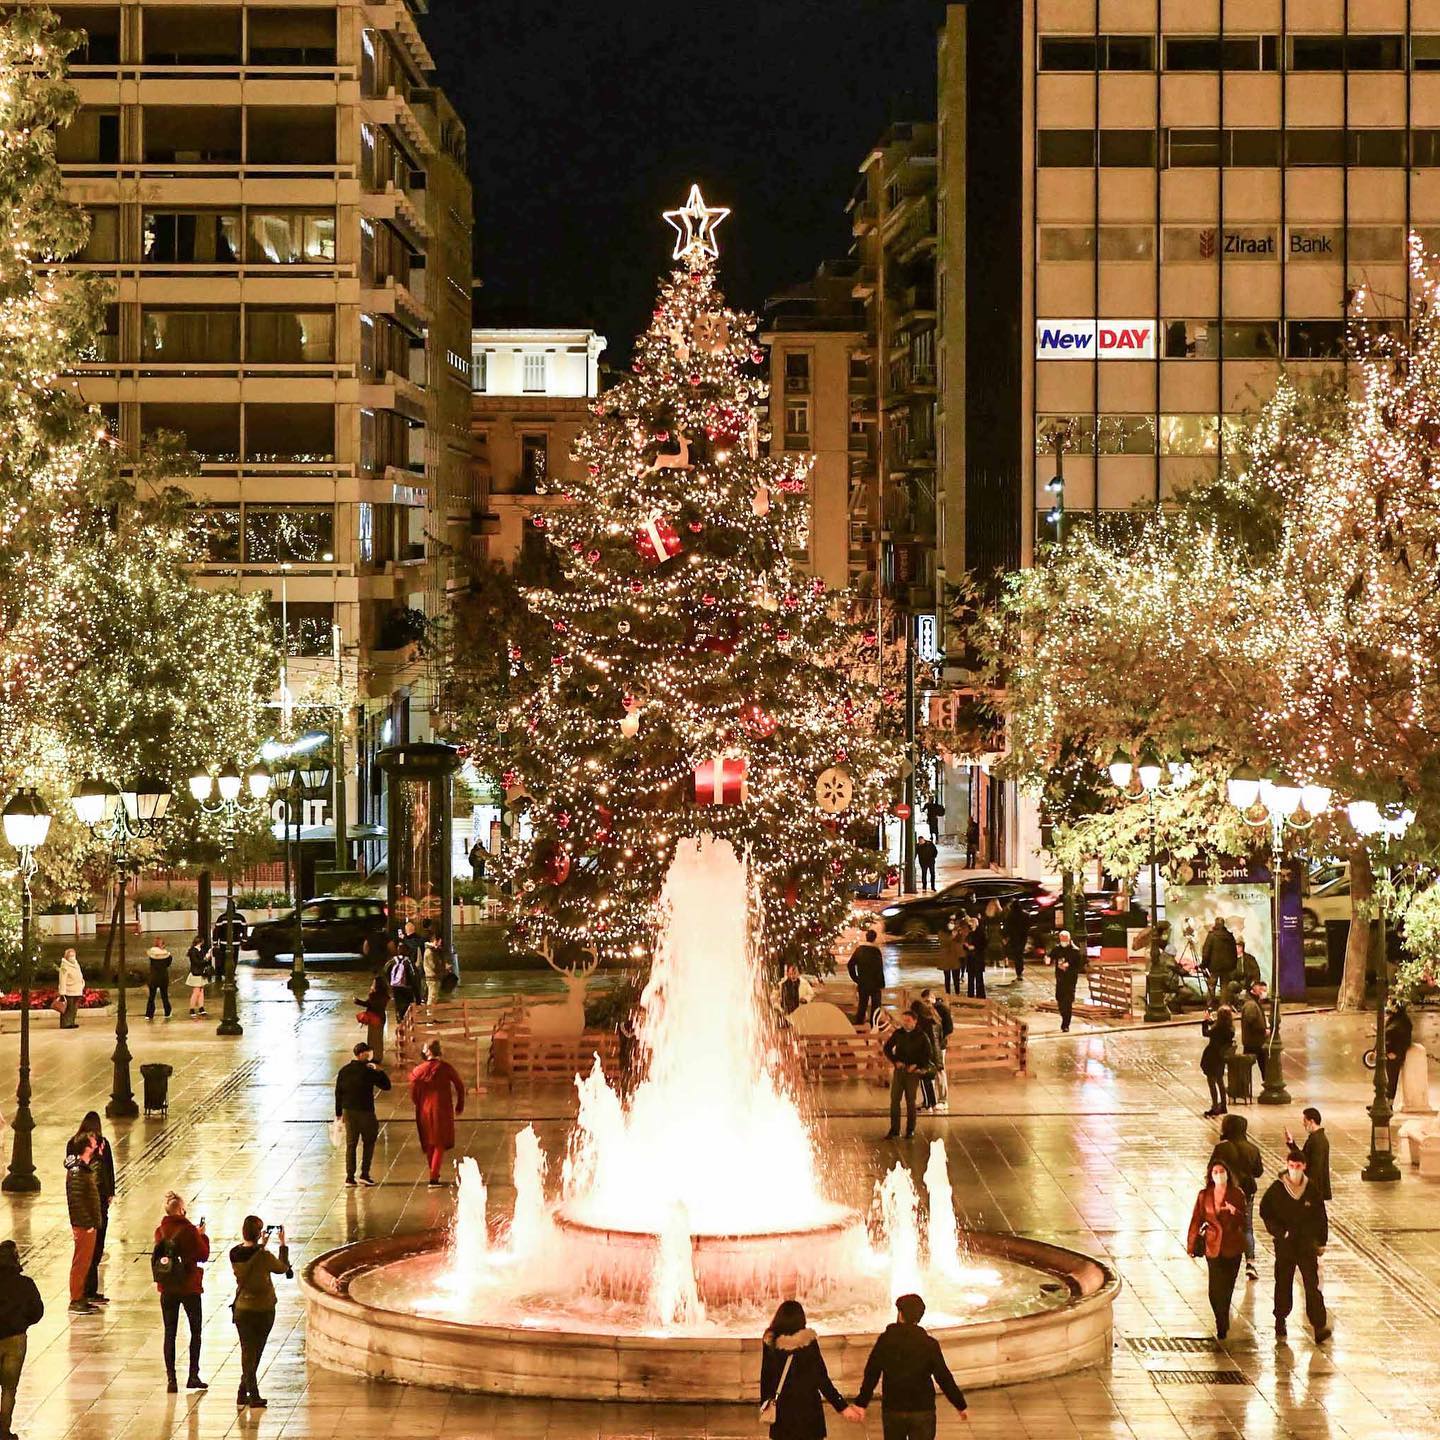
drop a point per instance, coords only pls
(919, 916)
(329, 925)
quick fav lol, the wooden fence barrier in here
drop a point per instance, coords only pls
(1112, 992)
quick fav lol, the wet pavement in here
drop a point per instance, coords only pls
(1101, 1149)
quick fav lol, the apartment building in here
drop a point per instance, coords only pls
(822, 402)
(279, 198)
(531, 395)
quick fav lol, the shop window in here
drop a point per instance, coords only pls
(1189, 434)
(284, 336)
(191, 237)
(295, 534)
(185, 336)
(1314, 147)
(1060, 148)
(290, 237)
(1315, 339)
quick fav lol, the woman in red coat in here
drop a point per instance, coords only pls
(1217, 1231)
(439, 1096)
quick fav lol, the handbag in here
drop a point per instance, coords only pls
(767, 1407)
(58, 1004)
(337, 1132)
(368, 1017)
(1198, 1248)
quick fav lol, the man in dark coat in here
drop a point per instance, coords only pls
(925, 856)
(104, 1165)
(1399, 1032)
(1017, 936)
(1069, 961)
(907, 1363)
(1316, 1150)
(1294, 1214)
(908, 1049)
(20, 1308)
(1254, 1033)
(933, 811)
(867, 970)
(355, 1088)
(1241, 1156)
(1218, 956)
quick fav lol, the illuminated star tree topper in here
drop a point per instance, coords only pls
(695, 224)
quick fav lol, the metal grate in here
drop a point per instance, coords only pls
(1198, 1377)
(1170, 1344)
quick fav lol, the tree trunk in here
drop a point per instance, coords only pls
(1357, 946)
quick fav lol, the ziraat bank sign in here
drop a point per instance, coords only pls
(1095, 339)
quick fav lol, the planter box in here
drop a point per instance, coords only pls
(169, 920)
(469, 914)
(67, 924)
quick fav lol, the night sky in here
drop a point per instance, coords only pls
(586, 119)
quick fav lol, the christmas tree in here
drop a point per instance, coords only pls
(688, 681)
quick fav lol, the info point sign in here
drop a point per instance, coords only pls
(1095, 339)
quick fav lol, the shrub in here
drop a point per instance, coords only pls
(43, 997)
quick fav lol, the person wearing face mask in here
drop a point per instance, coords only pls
(1294, 1214)
(1217, 1233)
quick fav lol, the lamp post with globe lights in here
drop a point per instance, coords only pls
(1157, 778)
(230, 806)
(299, 774)
(1279, 804)
(119, 817)
(27, 822)
(1380, 828)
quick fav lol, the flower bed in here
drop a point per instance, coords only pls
(43, 998)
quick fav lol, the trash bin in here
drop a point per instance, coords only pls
(156, 1080)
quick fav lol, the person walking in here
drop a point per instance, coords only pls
(180, 1250)
(973, 944)
(1017, 937)
(158, 979)
(1219, 1033)
(908, 1050)
(355, 1087)
(1399, 1035)
(952, 955)
(400, 974)
(1217, 959)
(438, 1093)
(1294, 1214)
(794, 1380)
(20, 1308)
(1217, 1234)
(1070, 961)
(1241, 1157)
(992, 934)
(934, 813)
(906, 1362)
(866, 968)
(435, 968)
(927, 1022)
(372, 1014)
(1254, 1034)
(202, 967)
(946, 1030)
(104, 1166)
(1316, 1150)
(70, 986)
(972, 842)
(926, 854)
(82, 1201)
(255, 1268)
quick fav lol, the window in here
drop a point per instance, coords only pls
(1376, 147)
(1314, 147)
(192, 134)
(291, 237)
(1317, 52)
(479, 365)
(190, 336)
(797, 424)
(291, 36)
(1126, 435)
(1191, 339)
(278, 434)
(107, 338)
(1065, 52)
(1253, 147)
(1116, 242)
(290, 135)
(215, 533)
(1250, 339)
(1210, 52)
(1105, 52)
(532, 379)
(181, 35)
(309, 630)
(534, 462)
(93, 136)
(1067, 242)
(103, 242)
(299, 534)
(1193, 147)
(797, 372)
(1067, 147)
(1337, 52)
(1080, 440)
(1127, 242)
(212, 431)
(1315, 339)
(1425, 147)
(1135, 148)
(1189, 434)
(1128, 52)
(1376, 242)
(191, 237)
(278, 337)
(1425, 52)
(101, 45)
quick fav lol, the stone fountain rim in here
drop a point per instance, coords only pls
(326, 1283)
(849, 1220)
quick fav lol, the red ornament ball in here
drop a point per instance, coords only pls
(870, 637)
(561, 627)
(696, 526)
(757, 722)
(636, 588)
(782, 635)
(577, 546)
(538, 521)
(592, 556)
(707, 600)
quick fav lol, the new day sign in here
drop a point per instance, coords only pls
(1089, 339)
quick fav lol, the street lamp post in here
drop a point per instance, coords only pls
(229, 807)
(27, 822)
(1156, 779)
(299, 773)
(1371, 823)
(119, 817)
(1280, 804)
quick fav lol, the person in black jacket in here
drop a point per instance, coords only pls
(1070, 961)
(908, 1363)
(1017, 937)
(1241, 1156)
(793, 1375)
(1219, 1033)
(1294, 1214)
(105, 1183)
(20, 1308)
(1399, 1035)
(1316, 1151)
(908, 1049)
(867, 970)
(355, 1088)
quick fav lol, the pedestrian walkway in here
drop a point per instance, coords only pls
(1102, 1149)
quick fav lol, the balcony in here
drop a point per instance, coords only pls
(394, 108)
(863, 218)
(395, 392)
(863, 286)
(915, 305)
(393, 203)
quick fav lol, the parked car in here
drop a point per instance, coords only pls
(329, 925)
(918, 916)
(1329, 900)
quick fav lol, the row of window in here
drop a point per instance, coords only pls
(271, 434)
(1179, 434)
(1184, 244)
(1235, 148)
(209, 35)
(1361, 51)
(205, 135)
(534, 372)
(270, 335)
(264, 534)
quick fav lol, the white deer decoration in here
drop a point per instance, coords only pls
(567, 1016)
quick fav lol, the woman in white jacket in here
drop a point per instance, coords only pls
(71, 987)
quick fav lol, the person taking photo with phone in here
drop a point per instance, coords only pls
(254, 1305)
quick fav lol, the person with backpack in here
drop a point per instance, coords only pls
(253, 1309)
(946, 1030)
(400, 973)
(180, 1250)
(1241, 1157)
(82, 1201)
(20, 1308)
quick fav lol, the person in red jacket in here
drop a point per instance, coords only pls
(1217, 1231)
(189, 1246)
(439, 1096)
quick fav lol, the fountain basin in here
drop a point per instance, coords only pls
(620, 1264)
(545, 1356)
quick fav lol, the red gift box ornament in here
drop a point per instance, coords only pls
(657, 540)
(721, 781)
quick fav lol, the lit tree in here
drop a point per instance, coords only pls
(685, 682)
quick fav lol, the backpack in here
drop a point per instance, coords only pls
(167, 1264)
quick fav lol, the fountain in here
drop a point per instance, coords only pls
(645, 1261)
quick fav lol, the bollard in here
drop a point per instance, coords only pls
(1414, 1092)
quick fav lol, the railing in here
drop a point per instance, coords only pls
(220, 69)
(195, 170)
